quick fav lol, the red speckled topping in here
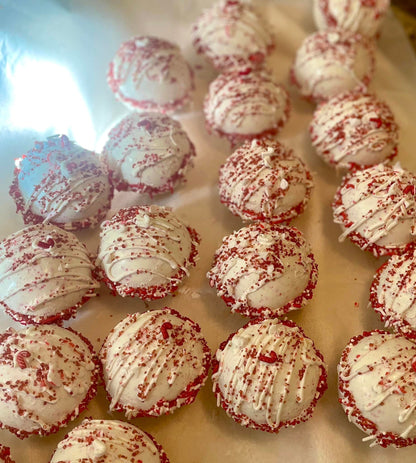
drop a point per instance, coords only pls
(5, 455)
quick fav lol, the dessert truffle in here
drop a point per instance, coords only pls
(245, 103)
(151, 74)
(108, 441)
(148, 152)
(154, 363)
(393, 293)
(331, 62)
(354, 130)
(362, 16)
(376, 209)
(46, 274)
(60, 182)
(264, 269)
(376, 378)
(264, 180)
(269, 375)
(48, 375)
(5, 455)
(145, 251)
(232, 33)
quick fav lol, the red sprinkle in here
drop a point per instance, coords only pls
(244, 72)
(377, 121)
(257, 57)
(46, 244)
(64, 141)
(20, 358)
(414, 364)
(147, 125)
(71, 166)
(164, 329)
(409, 189)
(271, 358)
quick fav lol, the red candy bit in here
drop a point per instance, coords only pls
(244, 72)
(271, 358)
(71, 166)
(409, 189)
(20, 358)
(49, 243)
(257, 57)
(164, 329)
(64, 141)
(369, 3)
(147, 125)
(230, 5)
(377, 121)
(414, 363)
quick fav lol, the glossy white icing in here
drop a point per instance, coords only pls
(46, 376)
(148, 152)
(44, 270)
(150, 359)
(269, 374)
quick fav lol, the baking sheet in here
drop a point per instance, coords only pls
(53, 60)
